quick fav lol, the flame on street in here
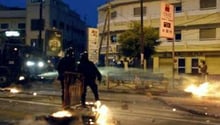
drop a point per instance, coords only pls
(61, 114)
(204, 90)
(11, 90)
(103, 112)
(14, 90)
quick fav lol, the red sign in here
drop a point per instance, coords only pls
(167, 20)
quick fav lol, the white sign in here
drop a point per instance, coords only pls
(167, 20)
(93, 44)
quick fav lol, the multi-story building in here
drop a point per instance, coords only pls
(197, 32)
(54, 15)
(13, 18)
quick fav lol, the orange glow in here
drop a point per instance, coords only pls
(200, 91)
(102, 111)
(204, 90)
(103, 115)
(61, 114)
(13, 90)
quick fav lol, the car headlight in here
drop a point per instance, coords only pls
(30, 63)
(21, 78)
(40, 64)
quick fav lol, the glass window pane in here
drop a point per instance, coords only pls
(205, 4)
(181, 63)
(137, 11)
(207, 33)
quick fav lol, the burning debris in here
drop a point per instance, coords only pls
(11, 90)
(61, 118)
(204, 90)
(61, 114)
(199, 91)
(92, 114)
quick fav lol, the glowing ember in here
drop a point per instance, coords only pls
(14, 90)
(34, 94)
(61, 114)
(98, 104)
(174, 109)
(103, 115)
(102, 112)
(200, 91)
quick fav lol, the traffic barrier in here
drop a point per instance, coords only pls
(133, 80)
(73, 87)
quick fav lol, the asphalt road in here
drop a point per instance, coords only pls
(124, 109)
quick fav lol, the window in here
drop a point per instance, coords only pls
(114, 38)
(54, 23)
(177, 7)
(181, 65)
(113, 15)
(35, 43)
(21, 26)
(207, 33)
(195, 64)
(207, 4)
(61, 25)
(36, 24)
(178, 36)
(137, 11)
(4, 26)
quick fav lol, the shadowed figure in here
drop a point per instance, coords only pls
(90, 73)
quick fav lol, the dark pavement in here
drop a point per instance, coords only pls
(174, 97)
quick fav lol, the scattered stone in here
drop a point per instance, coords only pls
(124, 106)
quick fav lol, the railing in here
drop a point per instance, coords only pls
(133, 80)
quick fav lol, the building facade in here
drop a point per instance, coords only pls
(197, 32)
(39, 16)
(13, 19)
(56, 15)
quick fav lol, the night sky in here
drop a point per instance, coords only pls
(86, 8)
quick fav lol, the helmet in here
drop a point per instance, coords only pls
(69, 52)
(84, 55)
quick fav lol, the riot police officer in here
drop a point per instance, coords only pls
(66, 64)
(90, 72)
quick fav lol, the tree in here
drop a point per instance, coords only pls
(131, 45)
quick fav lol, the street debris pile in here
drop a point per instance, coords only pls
(92, 114)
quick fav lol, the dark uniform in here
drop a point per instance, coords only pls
(90, 73)
(66, 64)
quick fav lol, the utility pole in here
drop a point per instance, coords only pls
(40, 42)
(142, 34)
(104, 33)
(102, 36)
(108, 35)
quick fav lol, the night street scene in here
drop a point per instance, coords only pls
(109, 62)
